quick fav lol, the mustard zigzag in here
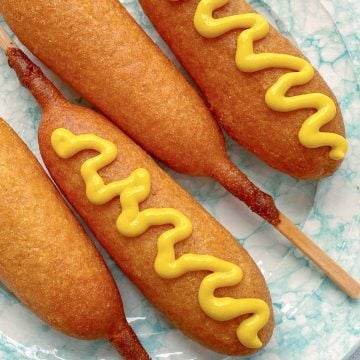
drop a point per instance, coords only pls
(132, 222)
(257, 28)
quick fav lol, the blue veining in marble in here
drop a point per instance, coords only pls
(314, 320)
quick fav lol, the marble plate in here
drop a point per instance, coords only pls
(314, 320)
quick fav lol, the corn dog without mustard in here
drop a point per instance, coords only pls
(267, 125)
(47, 260)
(98, 48)
(176, 253)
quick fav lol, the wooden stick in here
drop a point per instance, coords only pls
(338, 275)
(286, 227)
(5, 40)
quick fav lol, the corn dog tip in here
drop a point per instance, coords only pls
(236, 182)
(127, 344)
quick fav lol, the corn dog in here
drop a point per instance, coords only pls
(273, 127)
(46, 259)
(99, 49)
(175, 252)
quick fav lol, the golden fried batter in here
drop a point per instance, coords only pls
(237, 98)
(176, 298)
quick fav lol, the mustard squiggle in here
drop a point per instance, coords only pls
(257, 28)
(133, 222)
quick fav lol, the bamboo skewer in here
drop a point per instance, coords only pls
(310, 249)
(5, 40)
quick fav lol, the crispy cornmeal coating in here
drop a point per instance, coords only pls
(46, 259)
(177, 298)
(237, 98)
(98, 48)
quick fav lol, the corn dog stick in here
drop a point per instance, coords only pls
(5, 40)
(311, 250)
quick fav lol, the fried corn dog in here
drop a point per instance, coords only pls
(176, 253)
(237, 98)
(100, 50)
(47, 260)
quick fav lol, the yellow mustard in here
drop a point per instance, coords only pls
(257, 28)
(132, 222)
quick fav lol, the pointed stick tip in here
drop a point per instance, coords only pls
(5, 40)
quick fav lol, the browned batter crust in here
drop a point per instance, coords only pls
(47, 260)
(237, 98)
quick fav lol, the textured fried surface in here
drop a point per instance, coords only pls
(46, 258)
(237, 98)
(178, 298)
